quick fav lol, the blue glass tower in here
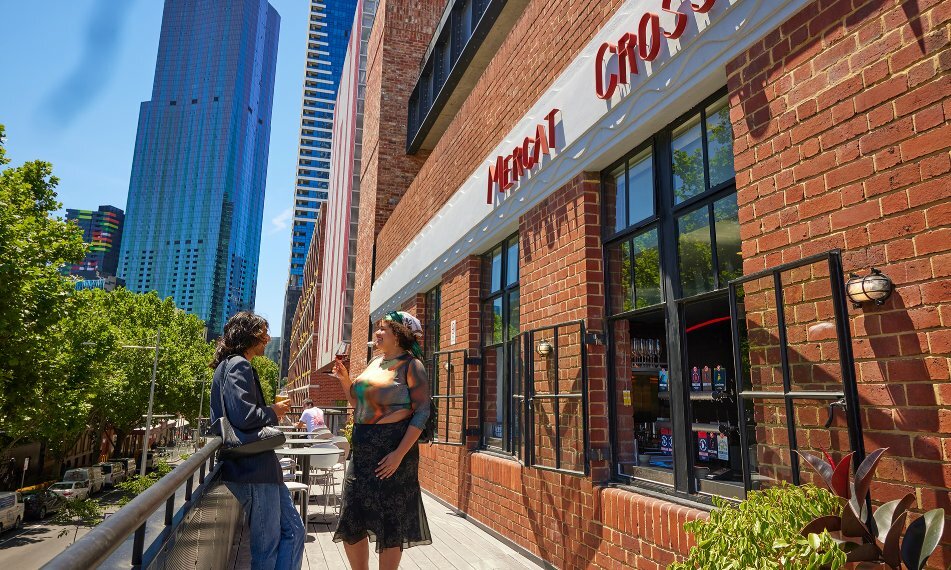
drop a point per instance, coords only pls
(328, 35)
(196, 194)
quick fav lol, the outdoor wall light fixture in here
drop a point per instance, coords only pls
(447, 366)
(875, 287)
(544, 347)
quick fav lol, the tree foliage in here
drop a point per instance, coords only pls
(65, 361)
(36, 297)
(268, 374)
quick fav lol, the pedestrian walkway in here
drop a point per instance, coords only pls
(457, 545)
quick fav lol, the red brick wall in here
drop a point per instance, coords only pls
(841, 125)
(564, 519)
(399, 38)
(499, 99)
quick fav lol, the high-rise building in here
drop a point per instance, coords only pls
(196, 194)
(328, 36)
(102, 230)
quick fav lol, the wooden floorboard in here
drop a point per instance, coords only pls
(457, 545)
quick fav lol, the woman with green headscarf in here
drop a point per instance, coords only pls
(382, 500)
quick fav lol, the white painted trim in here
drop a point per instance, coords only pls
(592, 134)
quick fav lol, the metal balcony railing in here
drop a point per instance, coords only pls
(187, 539)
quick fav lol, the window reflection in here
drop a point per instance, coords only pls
(511, 265)
(641, 188)
(619, 270)
(646, 268)
(687, 147)
(696, 257)
(620, 199)
(720, 142)
(729, 258)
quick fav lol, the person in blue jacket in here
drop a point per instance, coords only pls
(277, 532)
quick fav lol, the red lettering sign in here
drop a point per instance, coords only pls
(508, 169)
(645, 44)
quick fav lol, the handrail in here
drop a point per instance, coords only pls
(94, 548)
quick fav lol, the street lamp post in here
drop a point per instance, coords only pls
(148, 420)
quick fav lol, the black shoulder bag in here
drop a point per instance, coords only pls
(237, 443)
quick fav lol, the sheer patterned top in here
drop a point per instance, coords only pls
(380, 392)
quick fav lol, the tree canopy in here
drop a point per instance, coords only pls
(67, 362)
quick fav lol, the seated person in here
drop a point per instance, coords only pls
(312, 418)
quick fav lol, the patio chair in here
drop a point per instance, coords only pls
(323, 465)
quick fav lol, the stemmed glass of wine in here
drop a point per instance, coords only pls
(342, 351)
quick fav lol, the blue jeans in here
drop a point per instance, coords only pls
(277, 532)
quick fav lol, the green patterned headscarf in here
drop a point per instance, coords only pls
(413, 324)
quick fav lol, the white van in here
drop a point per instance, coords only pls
(92, 474)
(11, 511)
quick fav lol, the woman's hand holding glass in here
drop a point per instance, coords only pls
(340, 371)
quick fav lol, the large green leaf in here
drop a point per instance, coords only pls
(922, 538)
(886, 514)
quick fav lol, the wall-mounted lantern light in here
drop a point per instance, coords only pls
(544, 347)
(875, 287)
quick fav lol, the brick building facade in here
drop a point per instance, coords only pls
(592, 396)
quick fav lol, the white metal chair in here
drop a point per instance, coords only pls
(323, 465)
(298, 489)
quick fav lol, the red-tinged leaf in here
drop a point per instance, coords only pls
(853, 527)
(830, 523)
(828, 457)
(863, 475)
(863, 553)
(886, 514)
(840, 477)
(891, 548)
(819, 466)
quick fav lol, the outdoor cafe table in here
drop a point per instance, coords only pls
(299, 442)
(305, 453)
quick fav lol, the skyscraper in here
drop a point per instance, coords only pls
(102, 230)
(196, 194)
(328, 36)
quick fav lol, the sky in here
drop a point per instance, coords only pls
(72, 76)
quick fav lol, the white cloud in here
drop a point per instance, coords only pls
(281, 221)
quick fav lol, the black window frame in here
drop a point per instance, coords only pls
(531, 340)
(439, 362)
(664, 219)
(511, 351)
(433, 307)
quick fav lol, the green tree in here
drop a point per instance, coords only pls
(77, 513)
(269, 374)
(36, 296)
(125, 318)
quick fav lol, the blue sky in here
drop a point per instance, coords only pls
(72, 75)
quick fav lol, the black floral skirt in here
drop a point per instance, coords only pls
(388, 511)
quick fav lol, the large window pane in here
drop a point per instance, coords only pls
(641, 188)
(617, 188)
(511, 263)
(719, 142)
(512, 321)
(492, 394)
(687, 150)
(729, 258)
(696, 259)
(619, 273)
(495, 271)
(494, 310)
(646, 267)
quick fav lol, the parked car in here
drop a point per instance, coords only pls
(112, 473)
(42, 503)
(11, 511)
(92, 474)
(120, 471)
(71, 489)
(130, 466)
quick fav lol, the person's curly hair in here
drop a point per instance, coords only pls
(242, 331)
(404, 335)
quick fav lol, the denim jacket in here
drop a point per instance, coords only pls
(247, 411)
